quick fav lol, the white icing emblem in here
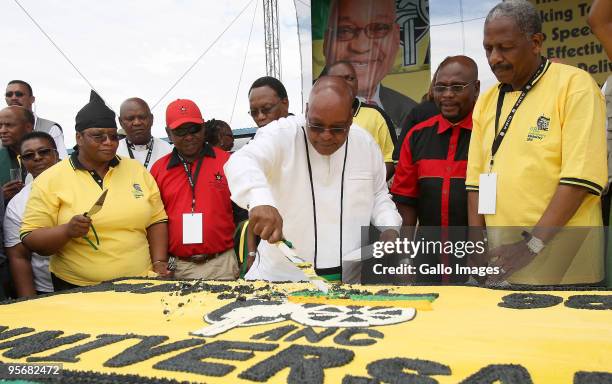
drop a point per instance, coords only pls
(258, 312)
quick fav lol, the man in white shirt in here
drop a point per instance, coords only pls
(314, 181)
(30, 271)
(19, 92)
(136, 119)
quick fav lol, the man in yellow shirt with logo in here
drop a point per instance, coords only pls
(537, 158)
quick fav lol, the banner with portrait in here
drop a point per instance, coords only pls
(387, 42)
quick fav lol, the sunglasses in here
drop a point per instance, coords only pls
(190, 130)
(455, 88)
(43, 152)
(102, 137)
(336, 131)
(16, 93)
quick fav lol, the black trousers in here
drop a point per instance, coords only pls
(61, 285)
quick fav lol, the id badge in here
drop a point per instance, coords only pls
(192, 228)
(487, 193)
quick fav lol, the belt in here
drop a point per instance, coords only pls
(201, 258)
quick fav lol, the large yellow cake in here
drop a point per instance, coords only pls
(156, 331)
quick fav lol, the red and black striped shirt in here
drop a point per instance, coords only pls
(431, 171)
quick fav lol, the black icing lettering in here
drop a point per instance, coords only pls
(345, 337)
(4, 334)
(393, 371)
(149, 348)
(311, 335)
(167, 287)
(595, 302)
(38, 342)
(593, 377)
(191, 361)
(348, 379)
(306, 364)
(275, 334)
(529, 301)
(70, 355)
(500, 374)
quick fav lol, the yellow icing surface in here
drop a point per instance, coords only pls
(464, 329)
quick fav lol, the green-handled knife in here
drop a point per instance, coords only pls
(307, 268)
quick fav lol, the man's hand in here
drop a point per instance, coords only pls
(161, 268)
(267, 223)
(78, 226)
(389, 235)
(509, 258)
(11, 188)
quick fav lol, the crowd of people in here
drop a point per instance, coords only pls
(527, 156)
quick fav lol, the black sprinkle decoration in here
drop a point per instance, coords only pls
(70, 355)
(593, 378)
(38, 342)
(500, 373)
(306, 363)
(275, 334)
(592, 302)
(529, 301)
(393, 371)
(345, 337)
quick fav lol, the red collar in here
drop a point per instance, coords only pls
(444, 124)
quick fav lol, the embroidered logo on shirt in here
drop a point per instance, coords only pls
(137, 191)
(540, 130)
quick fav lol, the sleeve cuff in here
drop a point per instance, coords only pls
(407, 200)
(22, 235)
(260, 196)
(473, 188)
(592, 187)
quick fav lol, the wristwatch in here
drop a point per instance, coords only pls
(534, 244)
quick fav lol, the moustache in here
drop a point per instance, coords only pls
(503, 67)
(14, 102)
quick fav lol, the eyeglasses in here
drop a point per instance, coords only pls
(102, 137)
(189, 130)
(336, 131)
(43, 152)
(372, 31)
(16, 93)
(265, 110)
(455, 88)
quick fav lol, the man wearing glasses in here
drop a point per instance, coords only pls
(315, 182)
(365, 34)
(30, 271)
(19, 93)
(268, 100)
(429, 184)
(197, 199)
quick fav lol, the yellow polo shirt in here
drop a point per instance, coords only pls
(132, 204)
(557, 137)
(372, 120)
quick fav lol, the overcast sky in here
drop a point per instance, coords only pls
(142, 47)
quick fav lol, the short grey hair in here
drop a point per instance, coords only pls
(524, 14)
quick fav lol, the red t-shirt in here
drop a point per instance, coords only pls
(212, 200)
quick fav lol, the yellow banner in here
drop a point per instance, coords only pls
(569, 38)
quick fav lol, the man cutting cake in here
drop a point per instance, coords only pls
(315, 181)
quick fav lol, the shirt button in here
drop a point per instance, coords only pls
(444, 192)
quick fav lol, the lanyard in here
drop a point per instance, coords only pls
(314, 206)
(192, 179)
(500, 102)
(149, 153)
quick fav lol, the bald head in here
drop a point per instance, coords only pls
(136, 119)
(332, 89)
(467, 63)
(329, 114)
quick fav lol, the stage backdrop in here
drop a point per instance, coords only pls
(569, 38)
(381, 43)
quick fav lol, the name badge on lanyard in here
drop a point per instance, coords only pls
(193, 228)
(193, 222)
(487, 188)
